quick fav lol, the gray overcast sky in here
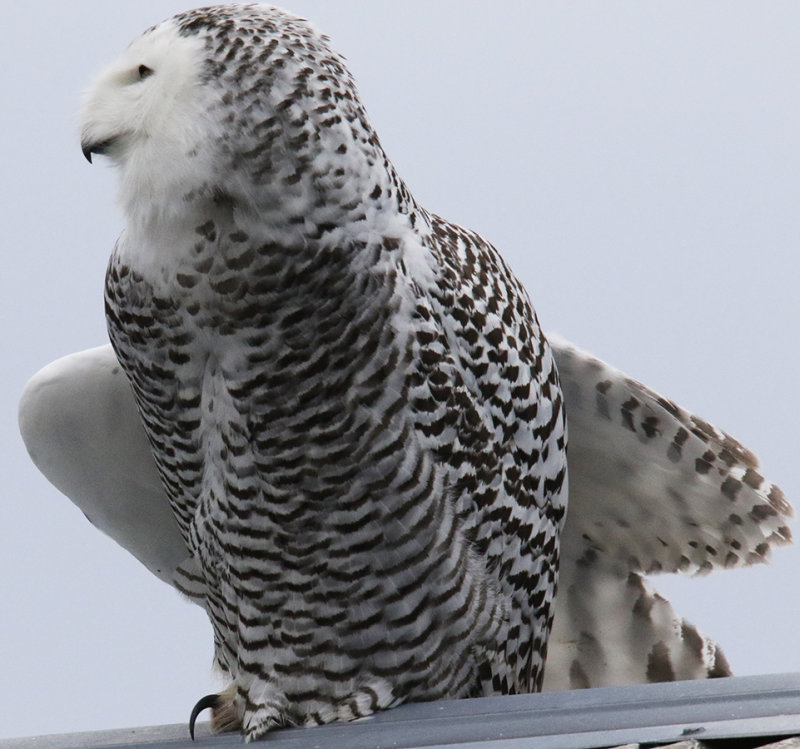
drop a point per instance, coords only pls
(638, 165)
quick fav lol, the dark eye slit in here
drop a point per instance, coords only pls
(144, 72)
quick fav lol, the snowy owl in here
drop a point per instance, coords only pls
(351, 405)
(341, 430)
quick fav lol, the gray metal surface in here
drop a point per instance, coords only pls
(756, 706)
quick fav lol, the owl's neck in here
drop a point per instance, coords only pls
(213, 226)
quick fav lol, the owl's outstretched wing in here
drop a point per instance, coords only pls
(652, 488)
(80, 425)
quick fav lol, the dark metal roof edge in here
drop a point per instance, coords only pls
(752, 706)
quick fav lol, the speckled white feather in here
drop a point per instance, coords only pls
(299, 333)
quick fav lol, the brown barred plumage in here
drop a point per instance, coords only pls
(352, 408)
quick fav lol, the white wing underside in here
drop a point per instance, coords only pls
(652, 489)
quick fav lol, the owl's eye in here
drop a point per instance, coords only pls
(144, 72)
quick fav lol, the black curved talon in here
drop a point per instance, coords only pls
(210, 700)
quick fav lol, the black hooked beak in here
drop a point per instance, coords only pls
(98, 147)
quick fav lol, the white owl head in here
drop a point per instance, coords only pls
(243, 102)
